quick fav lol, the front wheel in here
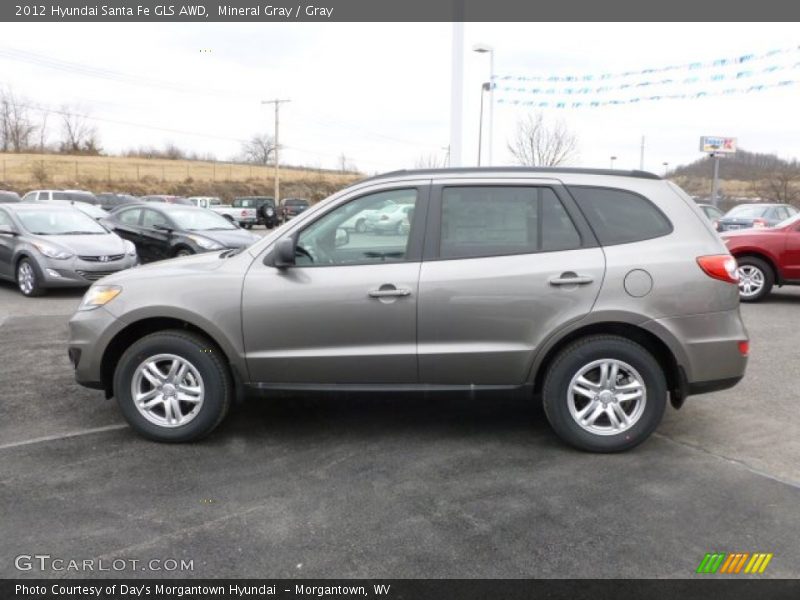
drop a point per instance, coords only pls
(755, 279)
(173, 386)
(28, 280)
(604, 394)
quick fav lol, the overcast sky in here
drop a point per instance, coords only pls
(380, 93)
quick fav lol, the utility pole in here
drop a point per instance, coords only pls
(277, 103)
(715, 181)
(457, 85)
(641, 156)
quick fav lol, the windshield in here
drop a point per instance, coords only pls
(786, 222)
(90, 209)
(296, 203)
(746, 212)
(200, 220)
(59, 222)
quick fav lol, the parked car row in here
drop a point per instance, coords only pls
(55, 242)
(247, 211)
(746, 216)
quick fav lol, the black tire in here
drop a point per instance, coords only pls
(204, 356)
(36, 289)
(762, 267)
(583, 352)
(248, 225)
(183, 251)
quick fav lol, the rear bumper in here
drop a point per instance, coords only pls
(706, 347)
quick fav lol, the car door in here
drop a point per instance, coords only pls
(346, 313)
(126, 224)
(155, 235)
(505, 264)
(791, 254)
(8, 242)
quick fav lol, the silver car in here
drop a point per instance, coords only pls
(603, 294)
(44, 245)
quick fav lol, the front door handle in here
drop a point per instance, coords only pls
(570, 278)
(389, 291)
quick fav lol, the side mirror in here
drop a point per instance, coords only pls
(342, 238)
(8, 232)
(284, 253)
(163, 228)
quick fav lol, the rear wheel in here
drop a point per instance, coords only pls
(173, 386)
(604, 394)
(755, 279)
(28, 280)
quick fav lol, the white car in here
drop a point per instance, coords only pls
(391, 219)
(245, 217)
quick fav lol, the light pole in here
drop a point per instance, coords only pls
(666, 168)
(484, 87)
(486, 49)
(277, 104)
(613, 158)
(457, 84)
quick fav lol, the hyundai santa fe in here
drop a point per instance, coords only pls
(603, 294)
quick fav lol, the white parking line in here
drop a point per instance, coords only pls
(50, 438)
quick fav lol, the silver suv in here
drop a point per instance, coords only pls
(602, 293)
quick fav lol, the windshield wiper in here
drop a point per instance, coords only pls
(230, 252)
(81, 233)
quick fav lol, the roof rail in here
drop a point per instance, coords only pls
(514, 170)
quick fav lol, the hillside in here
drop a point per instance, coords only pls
(744, 175)
(138, 176)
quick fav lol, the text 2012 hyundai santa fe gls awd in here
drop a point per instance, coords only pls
(604, 293)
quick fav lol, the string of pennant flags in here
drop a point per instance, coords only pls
(690, 66)
(584, 90)
(634, 100)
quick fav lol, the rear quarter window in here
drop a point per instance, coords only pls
(619, 216)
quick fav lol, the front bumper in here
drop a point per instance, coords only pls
(90, 332)
(76, 272)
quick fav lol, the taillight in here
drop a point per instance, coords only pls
(720, 266)
(744, 348)
(759, 223)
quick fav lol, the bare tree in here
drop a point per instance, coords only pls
(16, 126)
(77, 135)
(537, 144)
(346, 165)
(782, 184)
(259, 149)
(430, 161)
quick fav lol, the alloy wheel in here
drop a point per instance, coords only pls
(751, 281)
(26, 278)
(606, 397)
(167, 390)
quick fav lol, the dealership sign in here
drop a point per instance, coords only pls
(717, 144)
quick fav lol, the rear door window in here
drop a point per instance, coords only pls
(619, 216)
(499, 220)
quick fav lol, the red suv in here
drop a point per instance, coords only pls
(766, 257)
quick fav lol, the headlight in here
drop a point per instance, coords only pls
(52, 251)
(130, 248)
(205, 243)
(99, 295)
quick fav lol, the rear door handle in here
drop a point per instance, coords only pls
(389, 292)
(570, 278)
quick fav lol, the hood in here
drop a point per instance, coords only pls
(206, 262)
(106, 244)
(737, 233)
(235, 238)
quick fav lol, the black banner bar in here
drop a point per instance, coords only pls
(401, 589)
(283, 11)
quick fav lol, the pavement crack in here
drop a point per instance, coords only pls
(734, 461)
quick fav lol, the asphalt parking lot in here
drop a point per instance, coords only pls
(394, 486)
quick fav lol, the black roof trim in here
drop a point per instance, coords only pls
(515, 170)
